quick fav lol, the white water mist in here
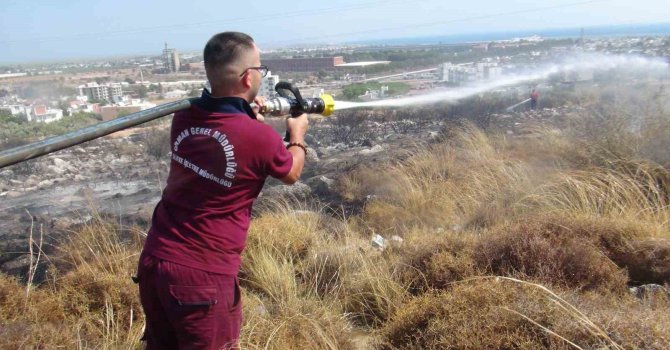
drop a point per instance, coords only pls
(584, 62)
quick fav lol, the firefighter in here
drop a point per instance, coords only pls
(221, 157)
(534, 95)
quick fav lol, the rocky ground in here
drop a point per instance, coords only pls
(118, 177)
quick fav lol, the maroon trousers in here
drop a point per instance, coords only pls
(188, 308)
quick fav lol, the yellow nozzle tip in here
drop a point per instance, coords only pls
(329, 104)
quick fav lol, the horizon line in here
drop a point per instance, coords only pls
(512, 34)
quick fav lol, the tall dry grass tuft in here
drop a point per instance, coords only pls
(285, 304)
(557, 251)
(469, 316)
(464, 181)
(88, 299)
(501, 313)
(99, 258)
(640, 193)
(276, 242)
(286, 230)
(429, 260)
(271, 273)
(100, 245)
(372, 293)
(292, 259)
(547, 149)
(328, 264)
(582, 252)
(297, 323)
(38, 318)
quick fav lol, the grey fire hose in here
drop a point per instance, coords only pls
(56, 143)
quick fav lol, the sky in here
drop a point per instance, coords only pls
(47, 30)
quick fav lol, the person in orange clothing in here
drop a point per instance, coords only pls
(534, 95)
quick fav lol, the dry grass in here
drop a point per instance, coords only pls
(557, 251)
(567, 223)
(634, 192)
(291, 258)
(432, 260)
(451, 184)
(500, 313)
(296, 323)
(372, 293)
(88, 299)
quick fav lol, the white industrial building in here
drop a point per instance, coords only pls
(457, 74)
(468, 72)
(488, 71)
(107, 92)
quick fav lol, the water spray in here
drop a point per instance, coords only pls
(577, 63)
(511, 108)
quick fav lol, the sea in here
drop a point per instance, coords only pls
(623, 30)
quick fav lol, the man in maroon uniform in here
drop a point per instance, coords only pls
(221, 156)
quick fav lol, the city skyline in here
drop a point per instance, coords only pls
(53, 32)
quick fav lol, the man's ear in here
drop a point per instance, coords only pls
(246, 80)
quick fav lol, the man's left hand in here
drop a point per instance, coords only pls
(259, 102)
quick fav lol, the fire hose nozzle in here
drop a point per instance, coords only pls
(290, 102)
(329, 104)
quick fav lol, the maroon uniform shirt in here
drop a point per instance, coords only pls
(221, 157)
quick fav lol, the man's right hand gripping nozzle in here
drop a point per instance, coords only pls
(296, 128)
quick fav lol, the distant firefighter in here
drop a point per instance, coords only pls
(534, 95)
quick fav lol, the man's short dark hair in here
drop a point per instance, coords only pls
(224, 48)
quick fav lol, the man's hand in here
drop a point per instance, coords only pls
(297, 128)
(259, 102)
